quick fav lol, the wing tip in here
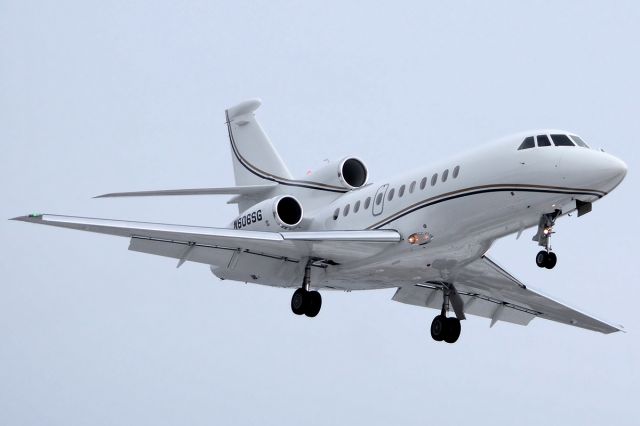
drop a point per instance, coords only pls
(33, 217)
(616, 328)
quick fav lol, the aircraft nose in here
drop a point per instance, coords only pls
(612, 171)
(617, 168)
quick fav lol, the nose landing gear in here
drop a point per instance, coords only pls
(546, 258)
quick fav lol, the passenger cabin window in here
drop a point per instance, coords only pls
(543, 140)
(390, 195)
(412, 187)
(434, 179)
(456, 171)
(562, 140)
(445, 175)
(401, 191)
(356, 207)
(336, 214)
(346, 210)
(527, 143)
(378, 199)
(423, 183)
(367, 202)
(579, 141)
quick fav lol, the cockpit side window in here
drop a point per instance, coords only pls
(527, 143)
(579, 141)
(543, 140)
(562, 140)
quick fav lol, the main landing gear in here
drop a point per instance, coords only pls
(304, 301)
(546, 258)
(443, 327)
(447, 329)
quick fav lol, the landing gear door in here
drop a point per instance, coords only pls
(378, 200)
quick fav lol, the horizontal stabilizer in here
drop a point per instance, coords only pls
(229, 190)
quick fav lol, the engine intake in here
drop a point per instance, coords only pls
(287, 211)
(353, 172)
(284, 211)
(349, 173)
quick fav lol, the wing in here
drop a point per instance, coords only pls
(487, 290)
(216, 246)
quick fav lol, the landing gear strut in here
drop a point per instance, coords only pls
(304, 301)
(443, 328)
(546, 258)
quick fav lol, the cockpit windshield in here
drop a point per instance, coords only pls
(579, 141)
(528, 143)
(562, 140)
(558, 139)
(543, 140)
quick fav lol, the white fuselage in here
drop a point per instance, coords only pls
(488, 193)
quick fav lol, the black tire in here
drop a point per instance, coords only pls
(314, 303)
(541, 259)
(438, 328)
(552, 259)
(453, 329)
(299, 301)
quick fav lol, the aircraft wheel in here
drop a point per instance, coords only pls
(452, 330)
(541, 258)
(314, 303)
(299, 301)
(552, 259)
(438, 328)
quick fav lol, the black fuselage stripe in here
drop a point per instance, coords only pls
(267, 176)
(471, 191)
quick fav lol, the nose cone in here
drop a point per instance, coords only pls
(611, 171)
(620, 168)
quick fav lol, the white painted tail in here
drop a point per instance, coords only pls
(255, 160)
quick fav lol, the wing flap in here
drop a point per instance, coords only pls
(431, 297)
(183, 251)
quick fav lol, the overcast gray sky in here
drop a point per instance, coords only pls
(100, 96)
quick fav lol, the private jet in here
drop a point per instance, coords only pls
(425, 232)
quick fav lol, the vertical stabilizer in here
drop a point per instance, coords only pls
(255, 160)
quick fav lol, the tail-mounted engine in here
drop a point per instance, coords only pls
(349, 173)
(274, 214)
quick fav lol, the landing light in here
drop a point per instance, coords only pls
(547, 231)
(419, 238)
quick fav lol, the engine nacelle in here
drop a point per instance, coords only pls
(282, 212)
(349, 173)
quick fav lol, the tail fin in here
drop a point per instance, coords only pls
(255, 160)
